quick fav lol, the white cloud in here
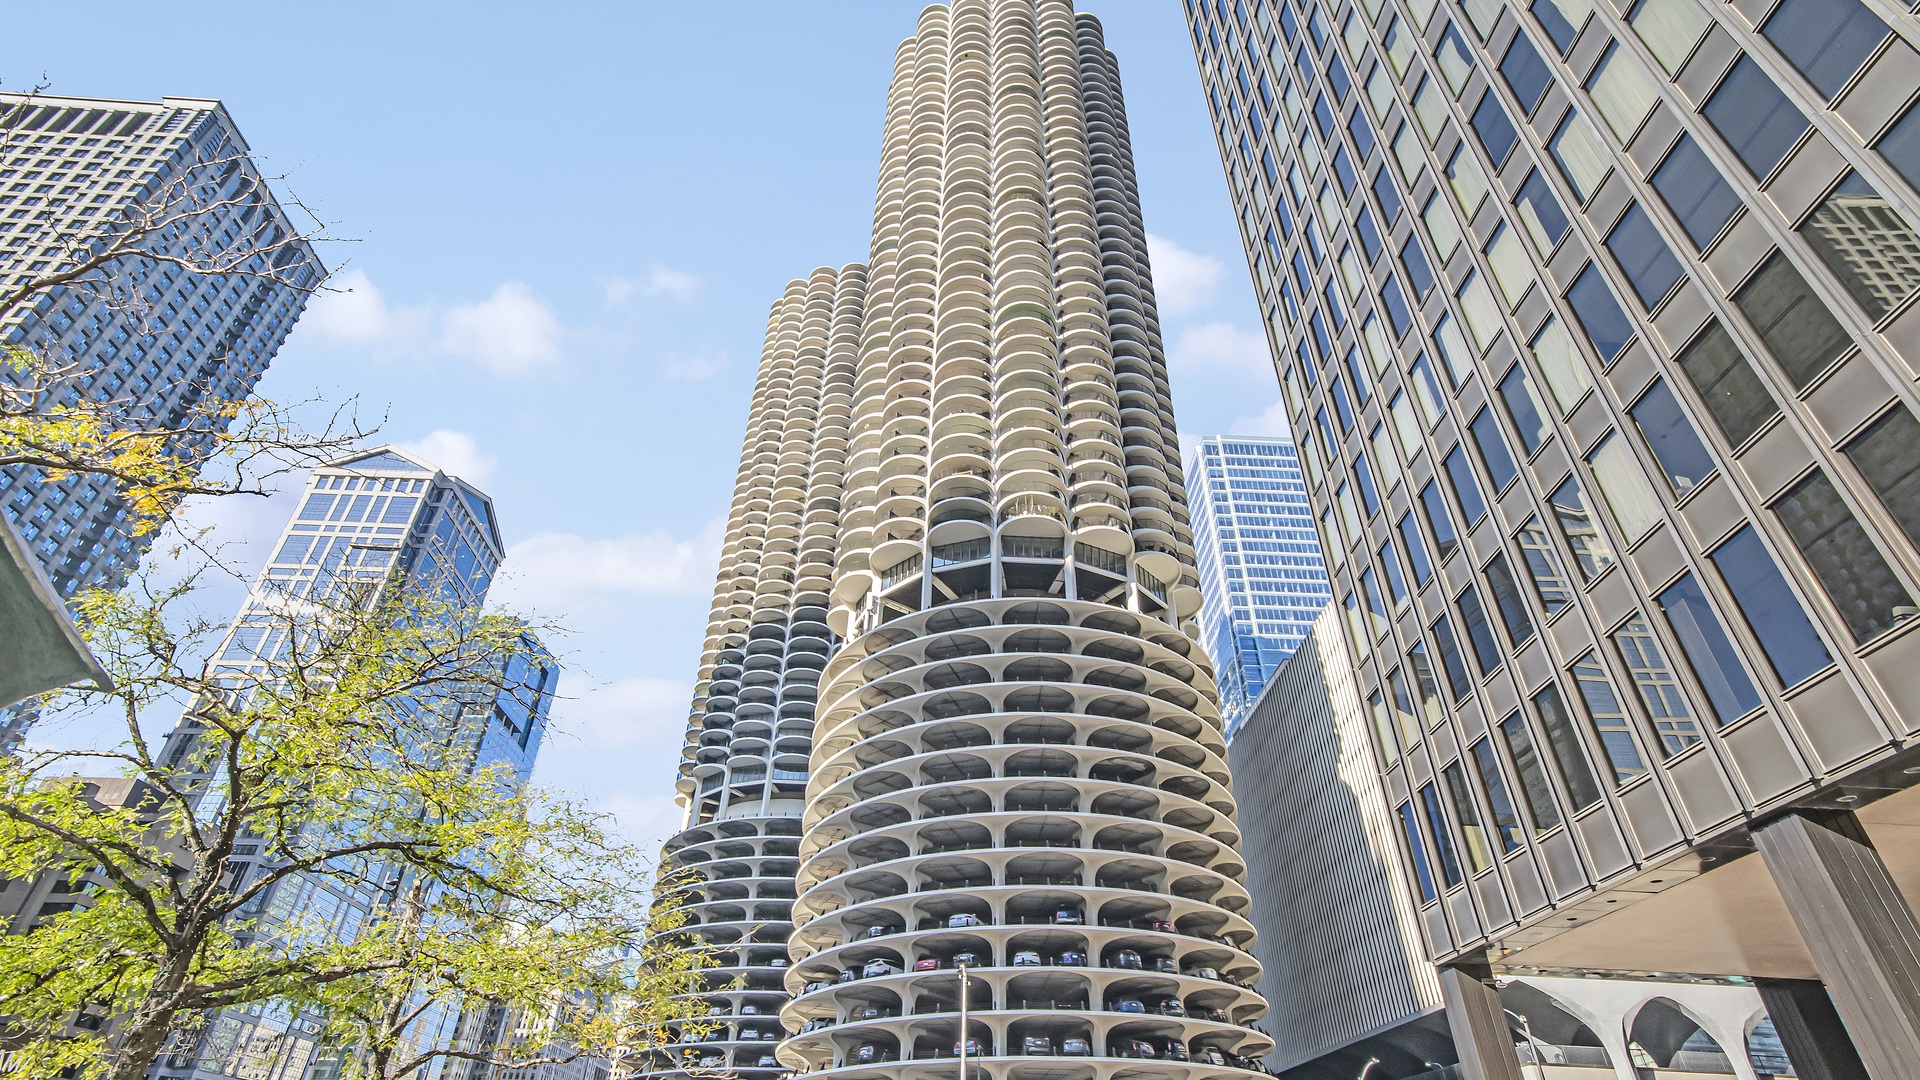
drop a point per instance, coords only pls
(457, 453)
(510, 332)
(679, 368)
(352, 310)
(1271, 422)
(593, 583)
(625, 713)
(661, 280)
(1224, 347)
(1183, 280)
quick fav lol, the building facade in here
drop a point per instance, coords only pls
(1259, 563)
(750, 730)
(163, 341)
(1596, 322)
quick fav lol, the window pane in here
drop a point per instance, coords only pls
(1510, 267)
(1695, 191)
(1441, 226)
(1383, 731)
(1842, 557)
(1888, 457)
(1427, 391)
(1636, 509)
(1430, 108)
(1799, 330)
(1506, 596)
(1568, 751)
(1410, 832)
(1526, 74)
(1591, 552)
(1659, 687)
(1642, 254)
(1755, 118)
(1469, 182)
(1562, 20)
(1713, 658)
(1437, 520)
(1540, 212)
(1473, 619)
(1867, 244)
(1396, 582)
(1734, 396)
(1524, 410)
(1493, 448)
(1405, 428)
(1670, 29)
(1400, 46)
(1506, 823)
(1456, 63)
(1534, 788)
(1371, 586)
(1609, 720)
(1561, 364)
(1495, 130)
(1425, 684)
(1663, 424)
(1582, 157)
(1623, 94)
(1397, 309)
(1388, 195)
(1786, 635)
(1356, 629)
(1389, 465)
(1416, 550)
(1452, 345)
(1901, 147)
(1450, 660)
(1442, 836)
(1483, 314)
(1599, 314)
(1460, 474)
(1543, 565)
(1479, 853)
(1827, 40)
(1419, 273)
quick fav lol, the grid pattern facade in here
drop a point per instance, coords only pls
(1607, 393)
(1259, 563)
(1018, 767)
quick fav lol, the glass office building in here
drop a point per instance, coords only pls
(1259, 563)
(1596, 323)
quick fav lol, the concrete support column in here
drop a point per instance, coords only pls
(1811, 1030)
(1480, 1033)
(1863, 937)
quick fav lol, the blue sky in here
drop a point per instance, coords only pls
(563, 225)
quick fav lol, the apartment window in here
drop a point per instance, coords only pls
(1568, 751)
(1663, 424)
(1734, 396)
(1771, 609)
(1550, 581)
(1396, 582)
(1800, 332)
(1863, 588)
(1609, 719)
(1452, 346)
(1511, 269)
(1460, 475)
(1526, 73)
(1714, 660)
(1636, 509)
(1435, 508)
(1340, 404)
(1540, 212)
(1659, 688)
(1866, 244)
(1427, 391)
(1396, 304)
(1825, 40)
(1524, 410)
(1755, 118)
(1473, 619)
(1370, 239)
(1694, 190)
(1506, 822)
(1405, 428)
(1451, 661)
(1622, 92)
(1416, 550)
(1496, 132)
(1441, 227)
(1564, 369)
(1388, 196)
(1479, 853)
(1643, 256)
(1442, 836)
(1419, 273)
(1425, 684)
(1887, 454)
(1454, 61)
(1493, 449)
(1535, 791)
(1389, 467)
(1606, 326)
(1410, 832)
(1669, 29)
(1383, 731)
(1362, 133)
(1582, 157)
(1506, 596)
(1591, 552)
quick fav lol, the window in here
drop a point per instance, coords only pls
(1755, 118)
(1826, 40)
(1396, 305)
(1442, 837)
(1356, 630)
(1887, 454)
(1669, 29)
(1635, 507)
(1732, 393)
(1841, 555)
(1362, 133)
(1416, 550)
(1468, 181)
(1495, 130)
(1715, 662)
(1364, 477)
(1430, 108)
(1582, 157)
(1663, 424)
(1379, 91)
(1901, 146)
(1370, 238)
(1524, 410)
(1460, 475)
(1591, 552)
(1389, 197)
(1609, 719)
(1540, 212)
(1383, 731)
(1427, 391)
(1396, 582)
(1534, 789)
(1568, 752)
(1483, 315)
(1600, 316)
(1622, 92)
(1658, 686)
(1564, 369)
(1441, 227)
(1561, 19)
(1694, 190)
(1526, 74)
(1410, 832)
(1340, 404)
(1338, 78)
(1867, 245)
(1377, 610)
(1506, 823)
(1438, 521)
(1643, 256)
(1452, 346)
(1550, 582)
(1473, 619)
(1323, 116)
(1800, 332)
(1425, 684)
(1510, 267)
(1419, 274)
(1506, 597)
(1455, 62)
(1493, 449)
(1479, 853)
(1406, 429)
(1772, 611)
(1450, 661)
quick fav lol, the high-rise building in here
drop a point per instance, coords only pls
(1595, 323)
(163, 341)
(381, 519)
(744, 777)
(1017, 792)
(1259, 563)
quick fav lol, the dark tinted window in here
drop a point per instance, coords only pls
(1786, 634)
(1416, 549)
(1827, 40)
(1473, 619)
(1362, 133)
(1340, 404)
(1460, 474)
(1337, 77)
(1695, 191)
(1495, 130)
(1534, 788)
(1442, 837)
(1493, 448)
(1663, 424)
(1802, 334)
(1450, 661)
(1863, 588)
(1888, 457)
(1713, 658)
(1396, 306)
(1755, 117)
(1506, 596)
(1435, 506)
(1323, 116)
(1343, 169)
(1384, 191)
(1526, 74)
(1568, 752)
(1369, 232)
(1506, 823)
(1734, 396)
(1364, 477)
(1419, 273)
(1599, 314)
(1541, 210)
(1555, 24)
(1525, 411)
(1636, 245)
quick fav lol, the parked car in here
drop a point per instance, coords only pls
(1136, 1048)
(767, 1061)
(927, 963)
(955, 922)
(1212, 1056)
(871, 1012)
(1205, 973)
(1068, 916)
(749, 1010)
(1176, 1050)
(1218, 1016)
(712, 1062)
(1036, 1044)
(816, 1024)
(719, 1010)
(973, 1048)
(972, 960)
(1161, 925)
(1172, 1007)
(1166, 965)
(1125, 958)
(1026, 958)
(847, 976)
(778, 962)
(1071, 958)
(821, 984)
(1075, 1046)
(868, 1053)
(1127, 1005)
(878, 967)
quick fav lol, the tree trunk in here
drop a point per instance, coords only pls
(144, 1031)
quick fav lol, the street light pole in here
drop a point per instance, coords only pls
(963, 1021)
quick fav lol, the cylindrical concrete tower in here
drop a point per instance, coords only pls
(751, 726)
(1018, 763)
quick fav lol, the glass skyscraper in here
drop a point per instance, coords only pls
(1595, 323)
(1259, 563)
